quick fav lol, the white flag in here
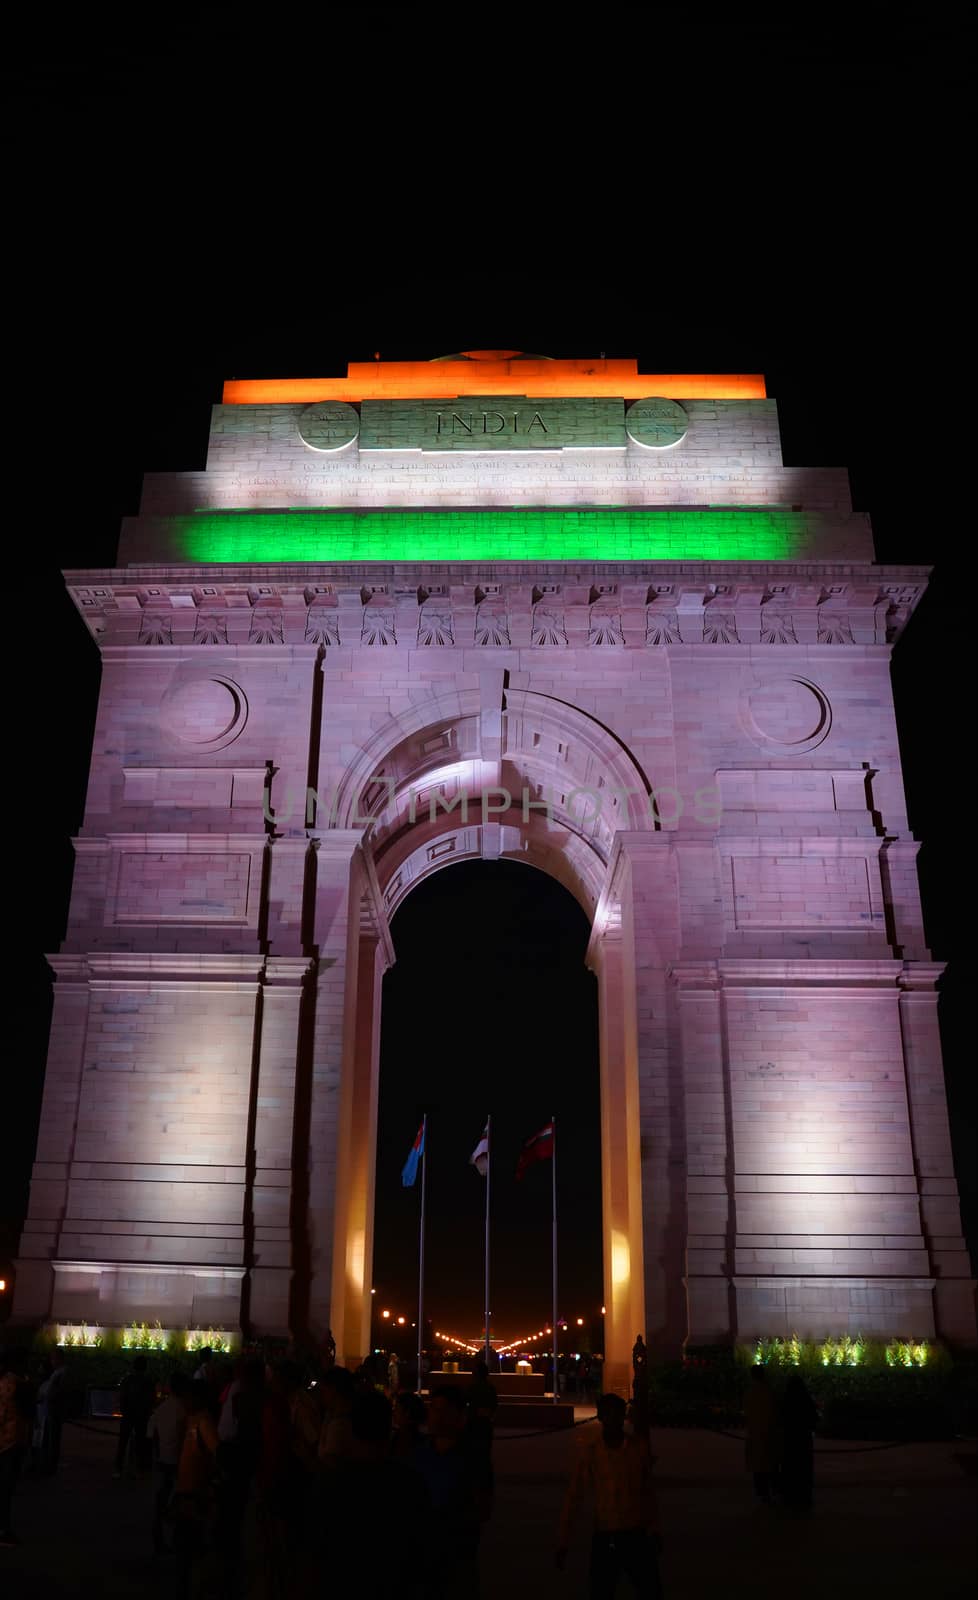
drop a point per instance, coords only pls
(480, 1155)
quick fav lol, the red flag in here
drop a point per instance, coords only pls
(539, 1148)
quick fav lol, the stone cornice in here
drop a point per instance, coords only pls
(608, 605)
(921, 977)
(851, 974)
(183, 1268)
(220, 968)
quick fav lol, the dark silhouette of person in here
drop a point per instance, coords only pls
(481, 1401)
(378, 1513)
(640, 1367)
(238, 1459)
(137, 1394)
(761, 1415)
(51, 1411)
(614, 1471)
(165, 1434)
(799, 1418)
(16, 1420)
(460, 1492)
(410, 1416)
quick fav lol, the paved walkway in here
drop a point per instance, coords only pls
(897, 1523)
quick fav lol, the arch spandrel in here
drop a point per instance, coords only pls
(541, 750)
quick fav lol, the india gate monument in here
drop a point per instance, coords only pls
(560, 612)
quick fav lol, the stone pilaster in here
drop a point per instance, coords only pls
(268, 1203)
(954, 1284)
(710, 1214)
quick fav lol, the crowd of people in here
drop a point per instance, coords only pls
(256, 1462)
(32, 1413)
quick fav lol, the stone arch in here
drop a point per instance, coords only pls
(456, 746)
(539, 749)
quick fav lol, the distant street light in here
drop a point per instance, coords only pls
(385, 1313)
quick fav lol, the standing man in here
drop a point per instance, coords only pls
(640, 1363)
(203, 1372)
(165, 1432)
(481, 1401)
(761, 1414)
(615, 1471)
(457, 1479)
(50, 1413)
(136, 1395)
(393, 1374)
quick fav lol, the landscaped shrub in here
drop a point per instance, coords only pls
(906, 1389)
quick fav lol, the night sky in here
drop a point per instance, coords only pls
(793, 206)
(489, 1008)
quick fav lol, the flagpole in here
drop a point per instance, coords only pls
(424, 1176)
(553, 1162)
(488, 1172)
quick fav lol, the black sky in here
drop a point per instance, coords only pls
(773, 196)
(490, 1009)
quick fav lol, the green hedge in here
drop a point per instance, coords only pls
(870, 1400)
(104, 1366)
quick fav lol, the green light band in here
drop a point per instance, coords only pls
(614, 533)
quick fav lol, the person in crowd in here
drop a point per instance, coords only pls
(305, 1421)
(761, 1415)
(49, 1414)
(193, 1497)
(137, 1396)
(481, 1400)
(410, 1417)
(640, 1364)
(278, 1500)
(16, 1418)
(329, 1350)
(226, 1423)
(458, 1483)
(393, 1373)
(336, 1393)
(202, 1371)
(799, 1418)
(615, 1470)
(392, 1559)
(165, 1431)
(239, 1453)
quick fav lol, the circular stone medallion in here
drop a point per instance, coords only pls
(657, 424)
(328, 425)
(208, 712)
(786, 714)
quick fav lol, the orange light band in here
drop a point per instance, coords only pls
(444, 380)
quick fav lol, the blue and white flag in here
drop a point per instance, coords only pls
(409, 1171)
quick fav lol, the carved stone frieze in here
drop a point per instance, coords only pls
(781, 605)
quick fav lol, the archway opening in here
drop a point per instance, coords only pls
(489, 1008)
